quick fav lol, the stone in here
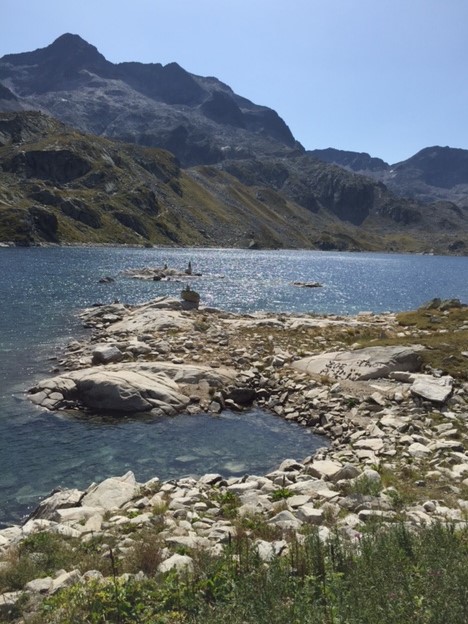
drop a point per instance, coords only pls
(40, 585)
(111, 493)
(435, 389)
(348, 471)
(176, 562)
(290, 465)
(372, 444)
(324, 469)
(418, 450)
(131, 387)
(298, 500)
(65, 580)
(75, 514)
(362, 364)
(106, 354)
(8, 602)
(366, 515)
(309, 514)
(210, 479)
(267, 551)
(189, 541)
(57, 500)
(286, 521)
(242, 396)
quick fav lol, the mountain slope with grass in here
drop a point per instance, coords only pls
(58, 185)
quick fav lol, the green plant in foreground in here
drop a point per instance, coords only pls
(390, 576)
(281, 494)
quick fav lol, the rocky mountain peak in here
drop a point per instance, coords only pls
(66, 47)
(54, 67)
(438, 166)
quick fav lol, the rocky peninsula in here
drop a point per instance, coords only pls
(388, 392)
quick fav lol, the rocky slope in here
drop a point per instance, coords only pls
(433, 174)
(358, 201)
(58, 185)
(395, 415)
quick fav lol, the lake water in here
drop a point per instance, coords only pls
(42, 290)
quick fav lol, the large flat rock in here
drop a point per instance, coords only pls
(436, 389)
(362, 364)
(127, 387)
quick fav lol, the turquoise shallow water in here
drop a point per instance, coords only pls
(41, 291)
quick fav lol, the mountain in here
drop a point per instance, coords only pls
(237, 177)
(60, 185)
(201, 120)
(433, 174)
(360, 162)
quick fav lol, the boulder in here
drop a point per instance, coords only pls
(435, 389)
(177, 562)
(309, 514)
(152, 319)
(127, 387)
(65, 580)
(286, 521)
(61, 499)
(362, 364)
(324, 469)
(106, 354)
(111, 493)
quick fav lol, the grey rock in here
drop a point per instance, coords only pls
(309, 514)
(176, 562)
(436, 389)
(362, 364)
(324, 469)
(40, 585)
(348, 471)
(286, 521)
(8, 602)
(65, 580)
(111, 493)
(57, 500)
(106, 354)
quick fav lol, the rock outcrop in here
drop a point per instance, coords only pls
(127, 388)
(362, 364)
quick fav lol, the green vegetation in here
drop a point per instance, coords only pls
(42, 554)
(281, 494)
(390, 576)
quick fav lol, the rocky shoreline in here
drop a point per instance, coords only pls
(396, 428)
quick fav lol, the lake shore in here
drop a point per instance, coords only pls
(395, 425)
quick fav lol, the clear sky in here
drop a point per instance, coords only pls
(387, 77)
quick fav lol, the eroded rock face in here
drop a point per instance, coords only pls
(362, 364)
(127, 388)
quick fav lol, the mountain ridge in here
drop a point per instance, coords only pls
(206, 125)
(149, 104)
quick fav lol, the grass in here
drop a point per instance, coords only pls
(390, 576)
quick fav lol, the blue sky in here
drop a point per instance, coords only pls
(377, 76)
